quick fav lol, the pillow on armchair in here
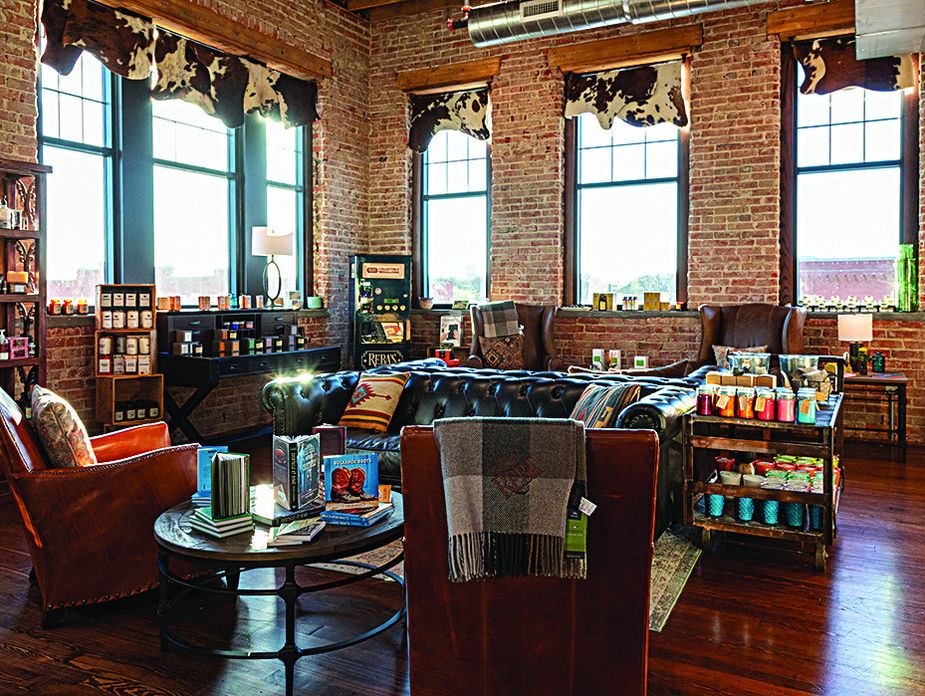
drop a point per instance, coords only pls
(503, 352)
(60, 430)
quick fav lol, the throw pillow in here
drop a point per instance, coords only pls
(499, 319)
(60, 430)
(599, 405)
(374, 401)
(721, 353)
(503, 352)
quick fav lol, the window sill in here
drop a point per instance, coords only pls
(313, 313)
(61, 321)
(879, 316)
(628, 314)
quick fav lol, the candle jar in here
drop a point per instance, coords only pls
(765, 404)
(83, 307)
(106, 318)
(806, 407)
(704, 400)
(725, 402)
(67, 307)
(147, 319)
(786, 406)
(105, 346)
(54, 307)
(745, 402)
(724, 463)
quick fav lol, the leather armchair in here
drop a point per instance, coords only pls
(539, 329)
(511, 636)
(89, 529)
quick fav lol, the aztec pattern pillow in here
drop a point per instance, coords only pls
(374, 402)
(504, 352)
(499, 319)
(599, 405)
(721, 353)
(60, 430)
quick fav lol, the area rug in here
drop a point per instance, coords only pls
(674, 560)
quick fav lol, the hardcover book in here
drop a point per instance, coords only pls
(296, 464)
(204, 469)
(333, 439)
(230, 485)
(351, 480)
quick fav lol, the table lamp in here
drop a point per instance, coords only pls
(856, 329)
(271, 242)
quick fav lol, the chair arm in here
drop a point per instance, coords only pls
(474, 361)
(91, 527)
(660, 411)
(554, 363)
(130, 441)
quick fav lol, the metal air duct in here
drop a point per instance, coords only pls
(515, 21)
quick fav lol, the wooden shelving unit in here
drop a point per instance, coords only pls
(706, 434)
(24, 249)
(120, 391)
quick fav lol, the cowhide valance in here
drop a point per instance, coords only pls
(643, 96)
(468, 111)
(830, 64)
(223, 85)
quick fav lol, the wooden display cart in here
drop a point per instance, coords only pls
(121, 393)
(704, 435)
(24, 250)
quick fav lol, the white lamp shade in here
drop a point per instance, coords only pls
(269, 241)
(855, 328)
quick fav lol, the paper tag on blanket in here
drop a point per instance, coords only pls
(587, 507)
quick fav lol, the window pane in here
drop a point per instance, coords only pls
(457, 251)
(191, 239)
(77, 214)
(847, 105)
(283, 152)
(75, 106)
(848, 144)
(612, 223)
(847, 244)
(625, 153)
(186, 134)
(282, 214)
(882, 141)
(813, 147)
(594, 165)
(812, 109)
(882, 104)
(629, 162)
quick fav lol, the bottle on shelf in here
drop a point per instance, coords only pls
(4, 346)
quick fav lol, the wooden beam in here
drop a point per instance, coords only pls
(218, 31)
(594, 56)
(470, 72)
(357, 5)
(812, 20)
(404, 8)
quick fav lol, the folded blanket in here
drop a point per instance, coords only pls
(499, 319)
(509, 484)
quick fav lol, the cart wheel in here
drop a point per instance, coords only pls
(820, 557)
(706, 539)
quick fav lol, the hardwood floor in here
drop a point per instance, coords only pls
(750, 621)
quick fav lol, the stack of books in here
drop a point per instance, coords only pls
(265, 509)
(203, 521)
(358, 517)
(294, 533)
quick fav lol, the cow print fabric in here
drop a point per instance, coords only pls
(831, 64)
(223, 85)
(643, 96)
(469, 112)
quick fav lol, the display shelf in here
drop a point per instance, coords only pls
(20, 362)
(727, 523)
(28, 297)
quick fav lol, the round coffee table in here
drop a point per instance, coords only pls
(227, 558)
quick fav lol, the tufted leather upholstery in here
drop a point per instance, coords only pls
(754, 324)
(436, 391)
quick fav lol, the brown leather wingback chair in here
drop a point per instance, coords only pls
(539, 330)
(740, 326)
(90, 529)
(532, 635)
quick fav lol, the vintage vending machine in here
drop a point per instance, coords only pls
(380, 307)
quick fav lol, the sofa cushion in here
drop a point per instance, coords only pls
(374, 401)
(60, 430)
(600, 404)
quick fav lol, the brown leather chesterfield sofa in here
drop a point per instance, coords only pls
(90, 529)
(539, 330)
(513, 636)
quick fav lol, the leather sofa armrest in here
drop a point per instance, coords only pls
(660, 411)
(130, 441)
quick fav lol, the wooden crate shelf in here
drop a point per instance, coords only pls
(119, 389)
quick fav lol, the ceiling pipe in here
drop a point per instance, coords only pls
(504, 22)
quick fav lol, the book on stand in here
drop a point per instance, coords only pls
(351, 481)
(203, 495)
(296, 467)
(230, 485)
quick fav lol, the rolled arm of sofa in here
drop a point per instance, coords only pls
(298, 404)
(660, 411)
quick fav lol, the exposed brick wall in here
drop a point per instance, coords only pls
(71, 371)
(17, 80)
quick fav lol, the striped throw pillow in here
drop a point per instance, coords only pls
(599, 405)
(374, 402)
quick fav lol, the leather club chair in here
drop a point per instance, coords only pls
(534, 635)
(539, 329)
(741, 326)
(90, 529)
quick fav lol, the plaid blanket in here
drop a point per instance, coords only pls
(499, 319)
(509, 484)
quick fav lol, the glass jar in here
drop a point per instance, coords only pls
(705, 395)
(745, 402)
(726, 402)
(806, 407)
(786, 406)
(765, 404)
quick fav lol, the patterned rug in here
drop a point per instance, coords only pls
(674, 560)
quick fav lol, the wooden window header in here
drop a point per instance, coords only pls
(473, 73)
(624, 51)
(217, 31)
(821, 19)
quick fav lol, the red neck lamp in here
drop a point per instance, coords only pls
(856, 329)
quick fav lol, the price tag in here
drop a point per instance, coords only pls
(587, 507)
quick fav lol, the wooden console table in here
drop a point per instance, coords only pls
(862, 389)
(703, 434)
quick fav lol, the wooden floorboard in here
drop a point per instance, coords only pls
(751, 621)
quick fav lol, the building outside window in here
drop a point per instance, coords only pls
(286, 195)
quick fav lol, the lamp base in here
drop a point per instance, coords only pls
(266, 281)
(857, 363)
